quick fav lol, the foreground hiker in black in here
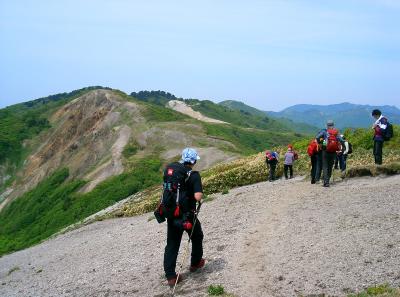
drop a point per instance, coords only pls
(185, 222)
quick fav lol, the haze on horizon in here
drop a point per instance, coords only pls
(268, 54)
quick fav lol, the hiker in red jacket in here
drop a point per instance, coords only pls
(313, 151)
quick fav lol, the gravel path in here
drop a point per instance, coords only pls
(286, 238)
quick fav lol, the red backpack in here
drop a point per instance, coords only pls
(332, 143)
(295, 155)
(312, 148)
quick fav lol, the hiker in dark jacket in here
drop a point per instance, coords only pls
(194, 193)
(331, 144)
(288, 162)
(341, 157)
(379, 126)
(271, 159)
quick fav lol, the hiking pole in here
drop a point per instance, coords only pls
(187, 247)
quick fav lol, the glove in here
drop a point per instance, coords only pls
(187, 225)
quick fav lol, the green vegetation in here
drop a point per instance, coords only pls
(237, 117)
(252, 169)
(15, 127)
(250, 141)
(382, 291)
(25, 120)
(156, 97)
(55, 203)
(130, 149)
(244, 108)
(215, 290)
(289, 124)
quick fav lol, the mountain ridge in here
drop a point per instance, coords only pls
(98, 146)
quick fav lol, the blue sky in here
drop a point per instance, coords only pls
(268, 54)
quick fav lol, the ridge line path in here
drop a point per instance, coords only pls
(286, 238)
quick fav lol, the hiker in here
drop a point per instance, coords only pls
(272, 159)
(313, 150)
(341, 157)
(331, 144)
(380, 125)
(288, 163)
(192, 192)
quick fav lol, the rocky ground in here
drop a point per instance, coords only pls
(287, 238)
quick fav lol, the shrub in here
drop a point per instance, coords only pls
(215, 290)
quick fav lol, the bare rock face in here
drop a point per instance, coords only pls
(87, 134)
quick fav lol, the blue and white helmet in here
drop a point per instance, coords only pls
(189, 155)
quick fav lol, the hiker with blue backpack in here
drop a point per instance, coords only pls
(182, 190)
(383, 131)
(330, 142)
(271, 159)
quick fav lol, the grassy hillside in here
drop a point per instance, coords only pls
(285, 122)
(236, 117)
(252, 169)
(23, 121)
(238, 105)
(55, 203)
(250, 141)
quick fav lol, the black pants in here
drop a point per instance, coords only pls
(272, 169)
(318, 166)
(313, 172)
(328, 159)
(286, 168)
(174, 237)
(340, 162)
(378, 146)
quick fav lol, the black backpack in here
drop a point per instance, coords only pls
(388, 132)
(350, 148)
(173, 199)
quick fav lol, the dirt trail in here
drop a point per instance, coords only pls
(286, 238)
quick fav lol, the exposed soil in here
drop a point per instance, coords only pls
(286, 238)
(182, 107)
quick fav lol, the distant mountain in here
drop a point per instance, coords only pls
(345, 115)
(284, 122)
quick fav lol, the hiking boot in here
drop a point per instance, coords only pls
(326, 185)
(313, 182)
(194, 268)
(172, 280)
